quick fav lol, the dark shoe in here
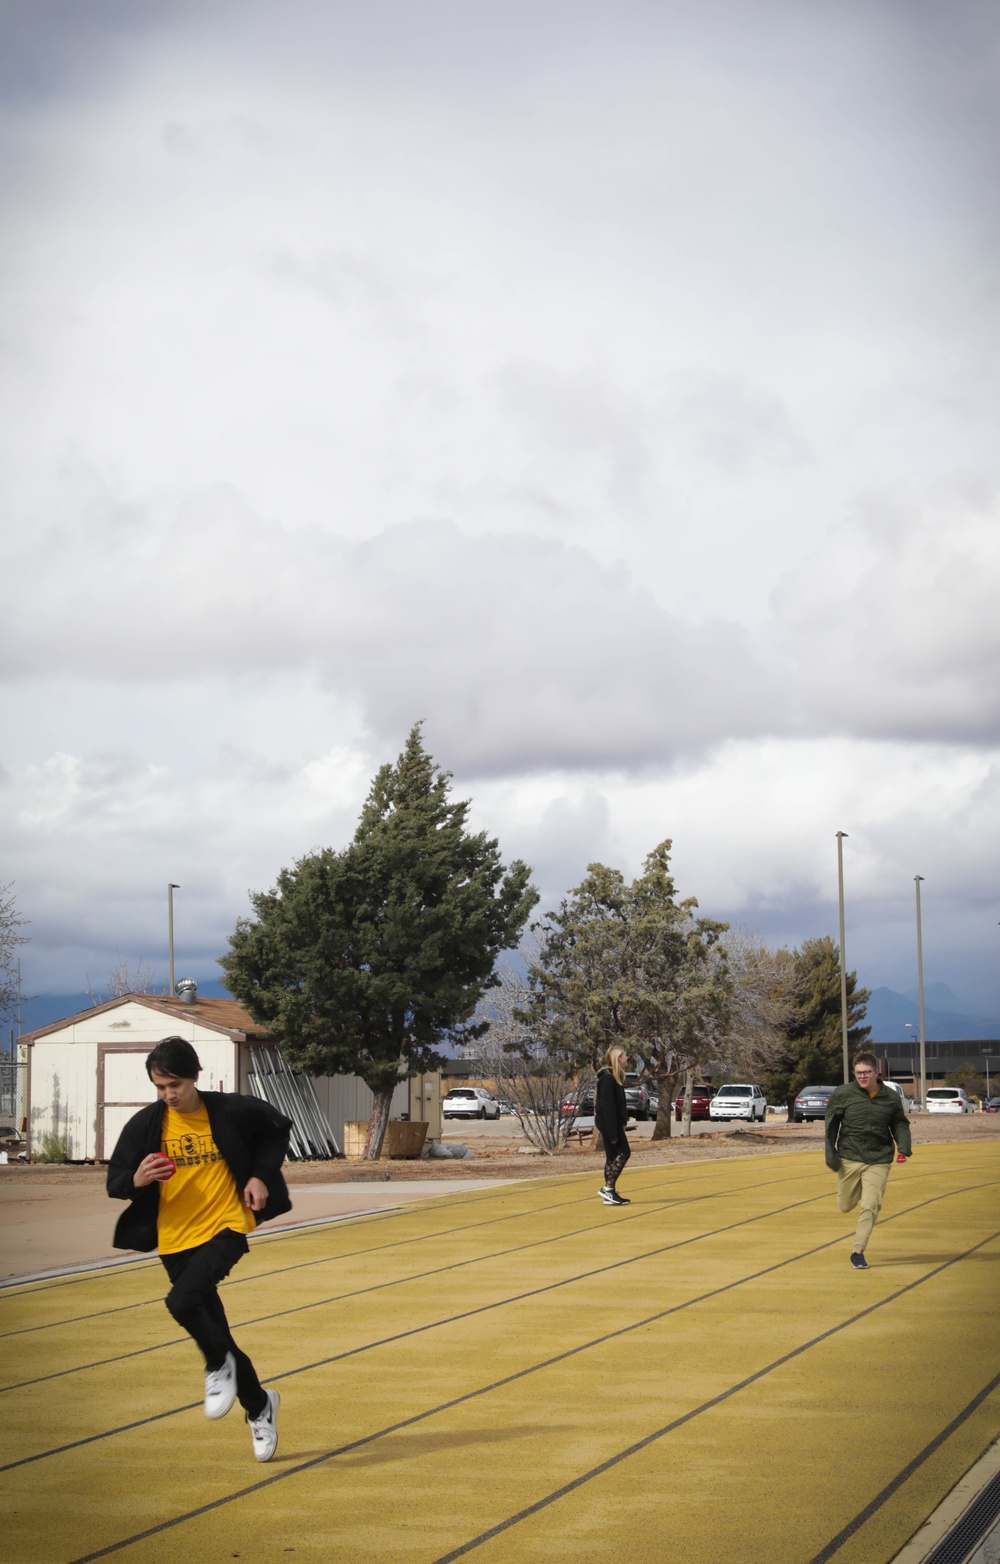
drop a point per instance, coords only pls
(615, 1199)
(859, 1262)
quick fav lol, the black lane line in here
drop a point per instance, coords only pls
(256, 1276)
(349, 1254)
(847, 1532)
(596, 1471)
(640, 1213)
(397, 1281)
(687, 1417)
(384, 1341)
(369, 1219)
(438, 1270)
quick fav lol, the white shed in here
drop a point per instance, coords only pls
(87, 1074)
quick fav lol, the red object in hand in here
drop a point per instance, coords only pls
(900, 1158)
(171, 1165)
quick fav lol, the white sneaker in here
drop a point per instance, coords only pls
(220, 1388)
(264, 1429)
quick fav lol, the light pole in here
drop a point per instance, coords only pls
(843, 956)
(170, 930)
(920, 997)
(988, 1055)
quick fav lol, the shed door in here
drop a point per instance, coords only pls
(122, 1088)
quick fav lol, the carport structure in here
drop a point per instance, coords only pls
(526, 1374)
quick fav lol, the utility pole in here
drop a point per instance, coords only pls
(170, 930)
(920, 997)
(843, 956)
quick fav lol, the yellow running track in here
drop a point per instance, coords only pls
(526, 1374)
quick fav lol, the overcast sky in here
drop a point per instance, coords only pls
(612, 385)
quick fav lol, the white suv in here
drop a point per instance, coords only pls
(470, 1102)
(738, 1102)
(947, 1099)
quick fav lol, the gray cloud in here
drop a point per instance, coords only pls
(616, 388)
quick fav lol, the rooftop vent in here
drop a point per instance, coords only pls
(187, 991)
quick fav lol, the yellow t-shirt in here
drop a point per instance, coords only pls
(201, 1198)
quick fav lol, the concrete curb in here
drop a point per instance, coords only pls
(950, 1511)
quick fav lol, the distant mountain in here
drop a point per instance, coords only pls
(48, 1008)
(894, 1018)
(941, 997)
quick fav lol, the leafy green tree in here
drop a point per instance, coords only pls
(814, 1053)
(629, 964)
(364, 961)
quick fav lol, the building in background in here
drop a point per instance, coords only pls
(86, 1074)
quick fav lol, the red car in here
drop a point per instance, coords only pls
(701, 1096)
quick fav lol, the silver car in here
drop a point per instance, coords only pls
(812, 1103)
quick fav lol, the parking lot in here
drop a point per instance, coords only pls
(521, 1373)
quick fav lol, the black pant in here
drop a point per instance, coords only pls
(195, 1304)
(616, 1154)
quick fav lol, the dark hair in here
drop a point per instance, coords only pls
(864, 1057)
(174, 1056)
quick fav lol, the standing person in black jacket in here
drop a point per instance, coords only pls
(201, 1169)
(611, 1117)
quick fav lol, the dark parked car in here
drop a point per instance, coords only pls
(811, 1103)
(701, 1096)
(991, 1105)
(638, 1097)
(574, 1107)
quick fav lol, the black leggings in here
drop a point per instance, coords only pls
(195, 1304)
(616, 1154)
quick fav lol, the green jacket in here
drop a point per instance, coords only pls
(860, 1128)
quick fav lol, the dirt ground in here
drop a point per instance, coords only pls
(510, 1157)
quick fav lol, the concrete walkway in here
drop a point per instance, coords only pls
(46, 1229)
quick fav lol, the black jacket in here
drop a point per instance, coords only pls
(610, 1107)
(251, 1135)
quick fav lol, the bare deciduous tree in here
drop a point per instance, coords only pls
(760, 1005)
(763, 1001)
(10, 942)
(531, 1075)
(125, 978)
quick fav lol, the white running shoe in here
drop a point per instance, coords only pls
(220, 1388)
(264, 1429)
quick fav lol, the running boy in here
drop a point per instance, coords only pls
(865, 1125)
(201, 1169)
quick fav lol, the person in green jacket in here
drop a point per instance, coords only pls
(865, 1127)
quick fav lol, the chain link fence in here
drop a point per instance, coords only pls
(13, 1086)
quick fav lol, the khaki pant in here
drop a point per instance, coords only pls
(864, 1181)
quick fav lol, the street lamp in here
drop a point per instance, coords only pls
(170, 930)
(920, 995)
(988, 1055)
(843, 955)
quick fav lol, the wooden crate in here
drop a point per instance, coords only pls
(404, 1138)
(355, 1135)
